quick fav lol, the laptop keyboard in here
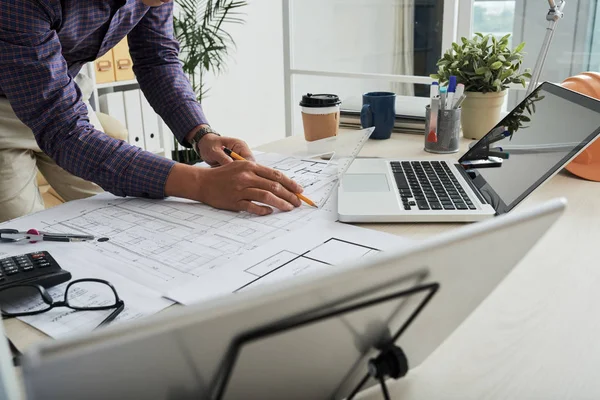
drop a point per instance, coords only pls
(429, 185)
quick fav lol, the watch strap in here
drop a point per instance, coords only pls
(205, 130)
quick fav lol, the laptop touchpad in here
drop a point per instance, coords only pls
(366, 183)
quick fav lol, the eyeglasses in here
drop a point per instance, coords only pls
(80, 295)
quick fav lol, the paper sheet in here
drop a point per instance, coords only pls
(163, 244)
(61, 322)
(316, 246)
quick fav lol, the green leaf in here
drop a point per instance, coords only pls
(481, 70)
(505, 75)
(519, 47)
(496, 65)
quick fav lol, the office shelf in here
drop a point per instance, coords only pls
(115, 84)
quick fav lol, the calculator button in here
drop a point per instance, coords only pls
(11, 271)
(28, 268)
(36, 256)
(43, 265)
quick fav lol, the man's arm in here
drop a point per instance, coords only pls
(155, 55)
(34, 77)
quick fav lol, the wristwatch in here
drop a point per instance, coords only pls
(205, 130)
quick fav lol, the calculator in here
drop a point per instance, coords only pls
(33, 268)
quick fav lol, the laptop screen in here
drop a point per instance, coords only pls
(531, 143)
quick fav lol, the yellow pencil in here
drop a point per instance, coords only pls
(236, 156)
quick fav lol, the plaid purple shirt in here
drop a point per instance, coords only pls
(44, 44)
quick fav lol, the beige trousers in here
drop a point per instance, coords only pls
(20, 159)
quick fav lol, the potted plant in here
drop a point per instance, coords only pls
(486, 66)
(199, 27)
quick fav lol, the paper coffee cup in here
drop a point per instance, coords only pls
(320, 116)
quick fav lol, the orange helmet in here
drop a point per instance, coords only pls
(587, 164)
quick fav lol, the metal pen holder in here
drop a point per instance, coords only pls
(447, 134)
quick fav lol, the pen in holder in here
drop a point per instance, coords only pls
(442, 133)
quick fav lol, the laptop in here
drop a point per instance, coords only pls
(309, 345)
(525, 149)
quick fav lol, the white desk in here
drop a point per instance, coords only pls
(536, 337)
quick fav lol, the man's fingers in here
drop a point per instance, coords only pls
(252, 208)
(243, 150)
(277, 189)
(278, 176)
(268, 198)
(219, 156)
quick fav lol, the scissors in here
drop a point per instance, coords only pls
(33, 235)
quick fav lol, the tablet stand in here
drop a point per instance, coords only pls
(391, 361)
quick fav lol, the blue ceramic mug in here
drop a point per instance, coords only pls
(379, 110)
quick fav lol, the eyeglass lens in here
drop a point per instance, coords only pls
(22, 299)
(90, 295)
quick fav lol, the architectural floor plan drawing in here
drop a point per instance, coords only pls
(317, 246)
(164, 244)
(316, 176)
(285, 264)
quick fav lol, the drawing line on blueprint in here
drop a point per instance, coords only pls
(285, 258)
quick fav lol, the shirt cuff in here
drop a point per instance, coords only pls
(185, 118)
(147, 175)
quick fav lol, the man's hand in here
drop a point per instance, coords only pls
(211, 149)
(235, 187)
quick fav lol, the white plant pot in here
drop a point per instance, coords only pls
(480, 113)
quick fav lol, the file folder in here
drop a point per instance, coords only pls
(113, 105)
(123, 66)
(133, 115)
(104, 68)
(151, 126)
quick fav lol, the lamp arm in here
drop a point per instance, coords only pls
(553, 16)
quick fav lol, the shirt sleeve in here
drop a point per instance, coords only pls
(34, 77)
(155, 54)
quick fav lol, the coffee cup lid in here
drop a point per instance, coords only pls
(320, 100)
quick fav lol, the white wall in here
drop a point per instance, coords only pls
(346, 36)
(246, 101)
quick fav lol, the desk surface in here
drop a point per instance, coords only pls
(534, 337)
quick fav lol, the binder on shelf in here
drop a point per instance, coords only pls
(133, 115)
(104, 68)
(113, 105)
(166, 137)
(123, 65)
(151, 126)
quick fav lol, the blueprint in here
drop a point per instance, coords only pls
(316, 247)
(163, 244)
